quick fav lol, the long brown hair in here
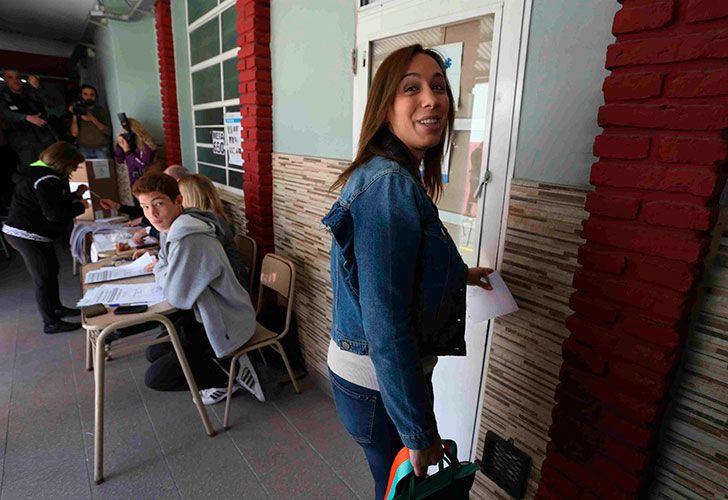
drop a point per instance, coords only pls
(377, 140)
(64, 157)
(199, 192)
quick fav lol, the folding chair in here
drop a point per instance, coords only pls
(248, 250)
(278, 274)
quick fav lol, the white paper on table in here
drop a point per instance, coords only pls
(105, 241)
(143, 293)
(484, 305)
(131, 270)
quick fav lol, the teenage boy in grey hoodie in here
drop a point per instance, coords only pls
(216, 315)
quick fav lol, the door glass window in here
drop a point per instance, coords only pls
(466, 48)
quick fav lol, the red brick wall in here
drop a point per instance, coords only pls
(256, 99)
(660, 172)
(167, 80)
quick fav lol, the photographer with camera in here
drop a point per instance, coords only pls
(90, 125)
(135, 148)
(25, 117)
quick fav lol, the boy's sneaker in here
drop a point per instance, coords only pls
(214, 395)
(248, 378)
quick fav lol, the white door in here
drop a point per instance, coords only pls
(480, 41)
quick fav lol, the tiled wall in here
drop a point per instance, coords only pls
(692, 459)
(301, 198)
(539, 260)
(235, 210)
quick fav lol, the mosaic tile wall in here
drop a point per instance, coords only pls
(235, 209)
(539, 260)
(301, 198)
(693, 462)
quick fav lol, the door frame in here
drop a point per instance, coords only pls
(510, 39)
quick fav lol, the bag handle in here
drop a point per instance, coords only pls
(450, 456)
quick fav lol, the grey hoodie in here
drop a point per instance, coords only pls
(195, 273)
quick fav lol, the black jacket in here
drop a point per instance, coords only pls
(42, 202)
(26, 139)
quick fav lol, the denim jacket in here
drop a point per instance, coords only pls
(399, 288)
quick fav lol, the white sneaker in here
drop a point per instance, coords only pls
(248, 378)
(214, 395)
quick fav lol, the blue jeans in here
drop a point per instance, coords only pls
(365, 418)
(95, 153)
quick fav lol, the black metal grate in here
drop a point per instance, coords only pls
(505, 465)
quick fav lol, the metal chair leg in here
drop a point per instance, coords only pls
(278, 347)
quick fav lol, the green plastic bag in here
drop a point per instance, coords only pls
(452, 481)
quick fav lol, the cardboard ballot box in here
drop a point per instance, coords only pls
(100, 177)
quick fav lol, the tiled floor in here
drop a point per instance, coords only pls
(291, 446)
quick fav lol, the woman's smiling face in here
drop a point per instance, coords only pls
(419, 112)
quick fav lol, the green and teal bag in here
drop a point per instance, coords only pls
(453, 480)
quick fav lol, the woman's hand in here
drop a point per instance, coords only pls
(478, 276)
(133, 222)
(85, 203)
(421, 459)
(139, 236)
(108, 204)
(140, 252)
(122, 143)
(81, 189)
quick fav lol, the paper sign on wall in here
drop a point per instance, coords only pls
(218, 143)
(100, 169)
(233, 139)
(452, 55)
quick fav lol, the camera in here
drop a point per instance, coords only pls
(127, 134)
(80, 108)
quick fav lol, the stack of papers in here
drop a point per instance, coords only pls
(131, 270)
(145, 293)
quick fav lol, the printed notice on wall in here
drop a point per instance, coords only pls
(233, 139)
(101, 169)
(218, 143)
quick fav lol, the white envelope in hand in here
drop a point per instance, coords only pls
(483, 304)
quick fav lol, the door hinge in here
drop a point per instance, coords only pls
(353, 60)
(481, 186)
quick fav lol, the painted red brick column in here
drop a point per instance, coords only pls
(661, 169)
(167, 80)
(256, 99)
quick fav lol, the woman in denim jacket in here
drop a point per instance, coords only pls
(398, 279)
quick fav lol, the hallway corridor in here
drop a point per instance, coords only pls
(291, 446)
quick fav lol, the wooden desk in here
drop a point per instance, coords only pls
(100, 327)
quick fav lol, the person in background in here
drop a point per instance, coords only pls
(138, 154)
(177, 172)
(194, 272)
(8, 163)
(399, 280)
(41, 208)
(91, 125)
(25, 117)
(198, 192)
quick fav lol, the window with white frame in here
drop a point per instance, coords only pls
(212, 50)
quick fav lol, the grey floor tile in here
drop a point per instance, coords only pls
(306, 476)
(359, 478)
(202, 466)
(44, 456)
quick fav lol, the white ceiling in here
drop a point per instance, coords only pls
(51, 19)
